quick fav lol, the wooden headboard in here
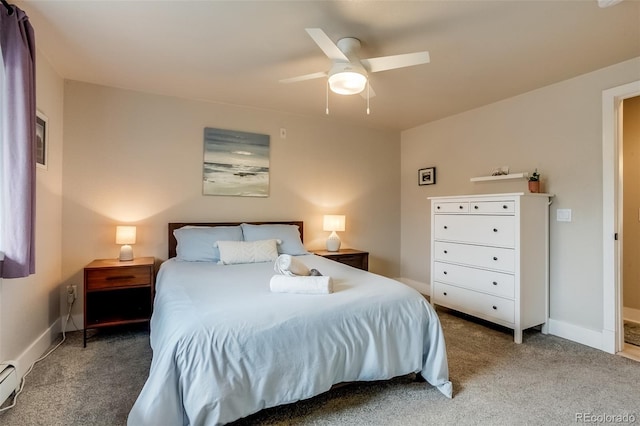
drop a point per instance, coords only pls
(175, 225)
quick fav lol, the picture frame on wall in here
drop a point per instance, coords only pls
(427, 176)
(235, 163)
(42, 139)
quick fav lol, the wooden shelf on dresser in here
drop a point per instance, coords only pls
(352, 257)
(490, 257)
(118, 292)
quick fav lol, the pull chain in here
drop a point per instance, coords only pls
(368, 96)
(327, 99)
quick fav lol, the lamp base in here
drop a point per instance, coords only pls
(333, 242)
(126, 253)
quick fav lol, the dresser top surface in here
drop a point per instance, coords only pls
(494, 196)
(116, 263)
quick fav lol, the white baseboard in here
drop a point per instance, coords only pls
(630, 314)
(37, 349)
(584, 336)
(423, 288)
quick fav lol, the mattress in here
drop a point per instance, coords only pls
(225, 346)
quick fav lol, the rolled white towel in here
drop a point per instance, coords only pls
(286, 264)
(303, 285)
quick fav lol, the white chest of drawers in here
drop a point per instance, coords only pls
(490, 257)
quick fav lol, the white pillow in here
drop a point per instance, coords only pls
(289, 234)
(197, 243)
(232, 252)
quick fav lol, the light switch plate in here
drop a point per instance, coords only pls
(563, 215)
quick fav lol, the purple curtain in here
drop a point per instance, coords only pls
(17, 142)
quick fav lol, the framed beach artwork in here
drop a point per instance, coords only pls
(235, 163)
(42, 140)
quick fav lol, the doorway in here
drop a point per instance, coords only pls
(612, 198)
(630, 267)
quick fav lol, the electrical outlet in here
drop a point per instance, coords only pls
(72, 294)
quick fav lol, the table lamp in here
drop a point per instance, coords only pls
(333, 223)
(126, 235)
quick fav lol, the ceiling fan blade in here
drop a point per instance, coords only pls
(324, 42)
(608, 3)
(384, 63)
(304, 77)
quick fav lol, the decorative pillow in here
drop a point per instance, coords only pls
(232, 252)
(197, 243)
(289, 234)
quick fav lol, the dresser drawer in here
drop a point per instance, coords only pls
(486, 230)
(495, 258)
(491, 282)
(355, 260)
(474, 303)
(352, 257)
(492, 207)
(104, 278)
(451, 207)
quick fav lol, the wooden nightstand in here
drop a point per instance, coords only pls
(356, 258)
(117, 293)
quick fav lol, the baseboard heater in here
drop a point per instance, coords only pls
(8, 381)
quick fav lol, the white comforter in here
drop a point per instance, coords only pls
(224, 346)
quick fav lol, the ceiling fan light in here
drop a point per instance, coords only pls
(347, 82)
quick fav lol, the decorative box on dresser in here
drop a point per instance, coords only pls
(490, 257)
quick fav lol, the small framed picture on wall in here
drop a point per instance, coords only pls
(42, 148)
(427, 176)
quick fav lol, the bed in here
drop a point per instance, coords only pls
(225, 346)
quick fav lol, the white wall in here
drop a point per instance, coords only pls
(30, 307)
(137, 158)
(557, 129)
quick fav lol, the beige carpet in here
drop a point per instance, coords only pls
(632, 333)
(544, 381)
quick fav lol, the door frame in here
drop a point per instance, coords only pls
(612, 335)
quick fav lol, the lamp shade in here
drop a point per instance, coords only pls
(333, 222)
(125, 234)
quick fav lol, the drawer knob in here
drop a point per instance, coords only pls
(475, 207)
(495, 258)
(445, 227)
(445, 252)
(445, 272)
(445, 293)
(495, 283)
(495, 230)
(438, 208)
(505, 206)
(495, 307)
(460, 207)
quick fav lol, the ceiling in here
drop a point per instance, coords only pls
(235, 52)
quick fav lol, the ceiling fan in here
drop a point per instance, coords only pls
(608, 3)
(349, 74)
